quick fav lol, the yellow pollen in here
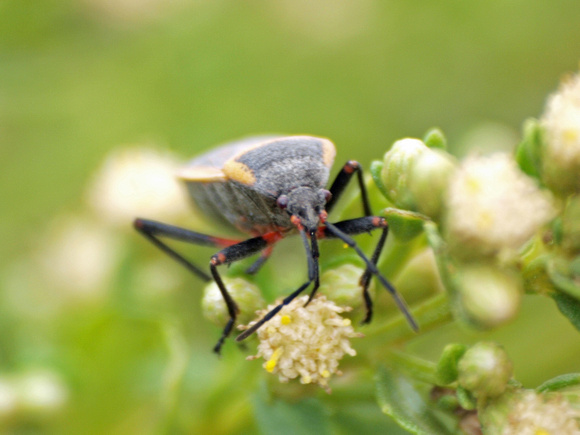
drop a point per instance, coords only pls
(473, 185)
(271, 363)
(484, 220)
(306, 379)
(345, 246)
(542, 432)
(325, 374)
(570, 135)
(346, 322)
(286, 320)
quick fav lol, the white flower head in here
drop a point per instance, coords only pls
(493, 207)
(42, 391)
(78, 257)
(305, 342)
(561, 122)
(540, 414)
(138, 181)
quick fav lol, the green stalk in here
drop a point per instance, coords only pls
(430, 314)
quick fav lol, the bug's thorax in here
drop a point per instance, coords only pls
(306, 206)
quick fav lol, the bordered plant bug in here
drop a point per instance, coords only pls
(272, 188)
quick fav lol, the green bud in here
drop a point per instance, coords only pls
(341, 285)
(429, 179)
(535, 275)
(435, 138)
(564, 273)
(485, 370)
(486, 296)
(244, 293)
(396, 170)
(571, 225)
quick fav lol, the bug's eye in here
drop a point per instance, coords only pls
(282, 201)
(327, 195)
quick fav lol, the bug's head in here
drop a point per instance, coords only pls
(306, 206)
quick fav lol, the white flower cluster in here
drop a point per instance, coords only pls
(561, 121)
(138, 181)
(306, 342)
(493, 206)
(536, 414)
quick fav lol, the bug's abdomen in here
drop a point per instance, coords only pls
(234, 205)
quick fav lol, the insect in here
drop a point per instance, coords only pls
(271, 188)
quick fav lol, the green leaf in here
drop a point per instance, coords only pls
(401, 401)
(466, 399)
(559, 382)
(569, 306)
(528, 152)
(404, 224)
(281, 418)
(434, 138)
(446, 371)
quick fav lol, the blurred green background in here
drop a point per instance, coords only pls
(81, 78)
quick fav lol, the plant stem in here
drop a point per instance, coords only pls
(430, 314)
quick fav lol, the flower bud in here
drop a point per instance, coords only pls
(428, 181)
(341, 285)
(561, 153)
(485, 370)
(486, 296)
(246, 295)
(396, 170)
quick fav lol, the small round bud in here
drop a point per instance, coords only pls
(487, 296)
(428, 181)
(485, 370)
(561, 153)
(244, 293)
(396, 170)
(341, 285)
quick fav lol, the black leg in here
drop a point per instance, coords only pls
(340, 182)
(257, 265)
(152, 230)
(365, 279)
(233, 251)
(315, 256)
(343, 230)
